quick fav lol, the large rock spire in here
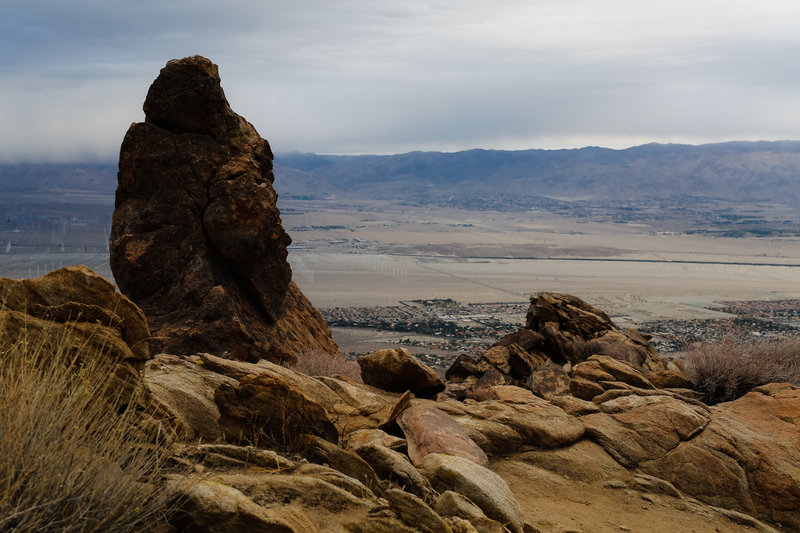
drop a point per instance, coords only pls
(196, 239)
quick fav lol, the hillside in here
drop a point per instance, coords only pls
(735, 171)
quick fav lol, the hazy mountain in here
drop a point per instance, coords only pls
(733, 170)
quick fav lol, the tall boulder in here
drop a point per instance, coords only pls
(196, 238)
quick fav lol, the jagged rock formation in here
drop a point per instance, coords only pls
(76, 310)
(564, 342)
(196, 239)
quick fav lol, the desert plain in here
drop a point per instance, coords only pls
(370, 253)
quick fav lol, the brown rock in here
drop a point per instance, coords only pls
(509, 393)
(399, 371)
(625, 372)
(218, 508)
(269, 410)
(585, 389)
(76, 310)
(485, 488)
(196, 238)
(571, 315)
(368, 437)
(526, 339)
(634, 428)
(395, 467)
(429, 430)
(495, 357)
(490, 379)
(618, 346)
(549, 381)
(747, 459)
(321, 451)
(670, 379)
(453, 504)
(415, 512)
(463, 367)
(523, 363)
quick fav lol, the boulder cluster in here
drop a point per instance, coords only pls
(569, 400)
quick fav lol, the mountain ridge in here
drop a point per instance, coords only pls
(733, 170)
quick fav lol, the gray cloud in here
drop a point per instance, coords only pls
(355, 77)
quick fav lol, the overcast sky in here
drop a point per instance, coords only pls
(354, 76)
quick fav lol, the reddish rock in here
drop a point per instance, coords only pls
(196, 238)
(399, 371)
(429, 430)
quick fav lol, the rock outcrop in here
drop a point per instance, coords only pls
(566, 347)
(76, 310)
(196, 238)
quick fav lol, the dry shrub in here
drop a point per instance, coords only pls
(319, 363)
(69, 461)
(730, 368)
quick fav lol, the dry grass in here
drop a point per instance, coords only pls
(68, 460)
(319, 363)
(730, 368)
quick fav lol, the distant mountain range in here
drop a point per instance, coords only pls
(737, 171)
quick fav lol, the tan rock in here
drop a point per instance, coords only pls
(321, 451)
(269, 410)
(366, 437)
(482, 486)
(453, 504)
(217, 508)
(75, 310)
(415, 512)
(395, 467)
(747, 459)
(183, 390)
(634, 428)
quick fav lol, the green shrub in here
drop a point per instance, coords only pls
(69, 459)
(728, 369)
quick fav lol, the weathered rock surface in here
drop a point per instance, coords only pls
(399, 371)
(429, 430)
(748, 457)
(485, 488)
(561, 333)
(271, 410)
(75, 309)
(196, 238)
(395, 467)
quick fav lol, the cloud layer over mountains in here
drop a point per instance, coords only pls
(361, 77)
